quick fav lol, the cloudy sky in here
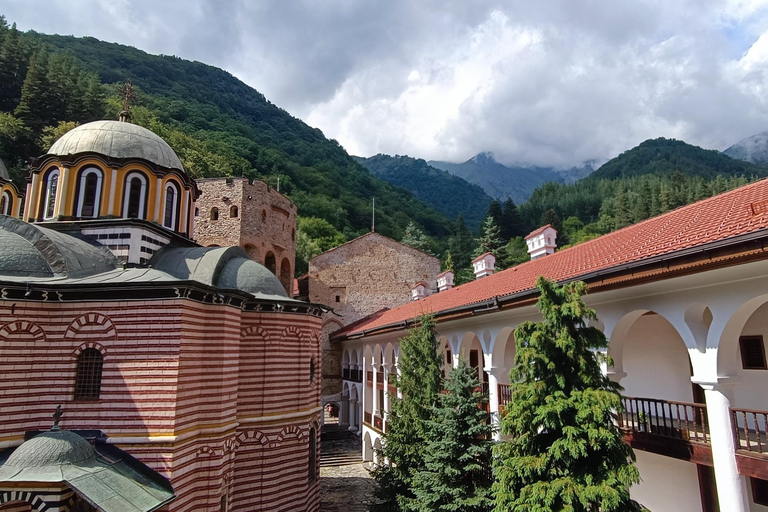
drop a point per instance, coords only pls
(553, 82)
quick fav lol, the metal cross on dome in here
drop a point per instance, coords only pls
(56, 416)
(128, 94)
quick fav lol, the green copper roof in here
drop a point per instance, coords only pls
(118, 140)
(111, 483)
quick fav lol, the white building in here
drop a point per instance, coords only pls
(683, 299)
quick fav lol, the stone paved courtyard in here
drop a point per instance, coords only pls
(345, 485)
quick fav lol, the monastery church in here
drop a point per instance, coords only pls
(152, 355)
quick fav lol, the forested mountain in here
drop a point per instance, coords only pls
(218, 126)
(445, 192)
(501, 182)
(753, 149)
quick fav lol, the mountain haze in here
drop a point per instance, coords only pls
(753, 149)
(501, 182)
(447, 193)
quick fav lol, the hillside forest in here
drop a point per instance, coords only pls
(221, 127)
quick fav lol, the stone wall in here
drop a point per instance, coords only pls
(360, 278)
(252, 215)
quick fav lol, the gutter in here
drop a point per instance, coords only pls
(499, 301)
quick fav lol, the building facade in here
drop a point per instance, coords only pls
(11, 199)
(252, 215)
(359, 278)
(194, 360)
(682, 299)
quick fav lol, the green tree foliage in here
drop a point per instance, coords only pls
(510, 221)
(445, 192)
(13, 66)
(416, 238)
(461, 244)
(565, 451)
(516, 252)
(314, 236)
(457, 476)
(421, 382)
(490, 241)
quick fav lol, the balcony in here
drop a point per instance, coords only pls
(505, 394)
(751, 440)
(674, 429)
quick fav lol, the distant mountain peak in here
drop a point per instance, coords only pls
(753, 149)
(484, 158)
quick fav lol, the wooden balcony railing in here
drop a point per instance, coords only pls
(380, 378)
(357, 375)
(369, 377)
(378, 422)
(680, 420)
(505, 394)
(367, 418)
(345, 374)
(750, 428)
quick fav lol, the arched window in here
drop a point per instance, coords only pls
(88, 375)
(171, 205)
(233, 212)
(5, 203)
(89, 193)
(51, 186)
(214, 213)
(135, 196)
(312, 456)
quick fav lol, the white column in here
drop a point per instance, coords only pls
(31, 202)
(352, 415)
(375, 394)
(493, 399)
(385, 408)
(399, 390)
(731, 491)
(112, 188)
(344, 412)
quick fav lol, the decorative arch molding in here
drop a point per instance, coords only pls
(290, 431)
(33, 499)
(82, 324)
(20, 328)
(254, 331)
(294, 332)
(205, 451)
(89, 344)
(250, 437)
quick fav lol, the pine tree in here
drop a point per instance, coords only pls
(448, 263)
(416, 238)
(510, 225)
(457, 476)
(13, 65)
(621, 210)
(420, 381)
(461, 245)
(35, 98)
(495, 212)
(490, 240)
(565, 450)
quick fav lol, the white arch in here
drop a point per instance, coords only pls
(52, 179)
(81, 191)
(142, 193)
(6, 202)
(174, 203)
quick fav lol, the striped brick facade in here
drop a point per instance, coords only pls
(217, 398)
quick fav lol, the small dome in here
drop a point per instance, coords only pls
(118, 140)
(21, 257)
(247, 275)
(52, 448)
(4, 172)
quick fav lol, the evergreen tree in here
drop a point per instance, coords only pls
(565, 450)
(448, 263)
(621, 210)
(495, 212)
(461, 246)
(510, 225)
(490, 240)
(457, 476)
(35, 94)
(416, 238)
(421, 381)
(12, 68)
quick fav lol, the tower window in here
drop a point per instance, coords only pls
(89, 192)
(135, 200)
(752, 353)
(214, 213)
(233, 212)
(51, 186)
(88, 375)
(5, 203)
(171, 206)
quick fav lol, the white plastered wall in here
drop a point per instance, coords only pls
(668, 485)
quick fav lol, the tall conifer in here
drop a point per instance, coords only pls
(457, 476)
(565, 450)
(420, 380)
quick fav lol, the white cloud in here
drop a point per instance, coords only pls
(554, 82)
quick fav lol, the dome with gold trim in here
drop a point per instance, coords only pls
(117, 139)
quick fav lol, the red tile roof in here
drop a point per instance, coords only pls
(732, 213)
(483, 256)
(537, 231)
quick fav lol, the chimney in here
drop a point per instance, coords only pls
(445, 280)
(542, 241)
(419, 290)
(483, 265)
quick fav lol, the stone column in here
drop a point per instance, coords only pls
(731, 491)
(352, 415)
(493, 398)
(344, 412)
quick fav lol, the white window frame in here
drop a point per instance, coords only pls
(81, 191)
(48, 178)
(142, 194)
(176, 194)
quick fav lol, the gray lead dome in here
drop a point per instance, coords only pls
(118, 140)
(52, 448)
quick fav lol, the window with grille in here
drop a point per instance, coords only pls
(88, 375)
(752, 353)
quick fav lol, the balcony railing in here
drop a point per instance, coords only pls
(750, 427)
(505, 394)
(680, 420)
(345, 374)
